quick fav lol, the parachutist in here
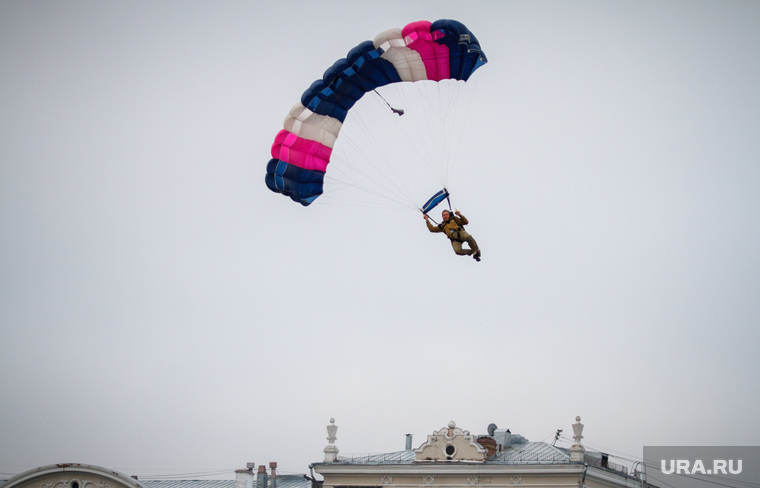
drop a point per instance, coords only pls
(398, 111)
(453, 227)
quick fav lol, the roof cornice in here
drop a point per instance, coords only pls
(445, 468)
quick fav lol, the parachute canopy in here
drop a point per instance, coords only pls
(440, 50)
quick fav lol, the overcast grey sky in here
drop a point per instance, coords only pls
(163, 312)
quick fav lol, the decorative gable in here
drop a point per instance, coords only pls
(450, 444)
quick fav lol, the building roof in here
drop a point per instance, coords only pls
(188, 483)
(398, 457)
(522, 453)
(505, 449)
(283, 481)
(531, 453)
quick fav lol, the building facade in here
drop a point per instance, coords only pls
(453, 458)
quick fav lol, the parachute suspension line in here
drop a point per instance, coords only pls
(391, 167)
(466, 93)
(378, 160)
(390, 203)
(385, 164)
(403, 128)
(353, 179)
(420, 135)
(398, 111)
(446, 134)
(429, 132)
(441, 135)
(377, 166)
(382, 197)
(439, 132)
(453, 123)
(375, 159)
(414, 123)
(451, 127)
(454, 106)
(450, 124)
(397, 190)
(437, 141)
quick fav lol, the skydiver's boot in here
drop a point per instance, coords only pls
(476, 255)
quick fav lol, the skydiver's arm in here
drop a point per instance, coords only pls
(459, 218)
(431, 227)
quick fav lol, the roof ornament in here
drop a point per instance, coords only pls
(331, 450)
(577, 450)
(450, 444)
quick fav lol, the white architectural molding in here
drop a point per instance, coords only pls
(72, 475)
(450, 444)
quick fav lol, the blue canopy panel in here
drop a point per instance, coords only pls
(465, 55)
(347, 80)
(371, 70)
(435, 200)
(301, 185)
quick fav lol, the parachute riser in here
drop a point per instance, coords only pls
(448, 201)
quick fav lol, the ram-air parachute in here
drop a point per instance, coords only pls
(420, 52)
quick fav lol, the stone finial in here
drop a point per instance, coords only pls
(331, 450)
(332, 429)
(577, 450)
(577, 431)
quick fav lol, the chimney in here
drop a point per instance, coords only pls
(408, 442)
(503, 438)
(262, 479)
(273, 467)
(244, 477)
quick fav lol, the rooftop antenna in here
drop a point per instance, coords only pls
(556, 436)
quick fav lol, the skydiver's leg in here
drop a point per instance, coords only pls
(457, 245)
(470, 241)
(474, 249)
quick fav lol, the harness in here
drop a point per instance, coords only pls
(456, 234)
